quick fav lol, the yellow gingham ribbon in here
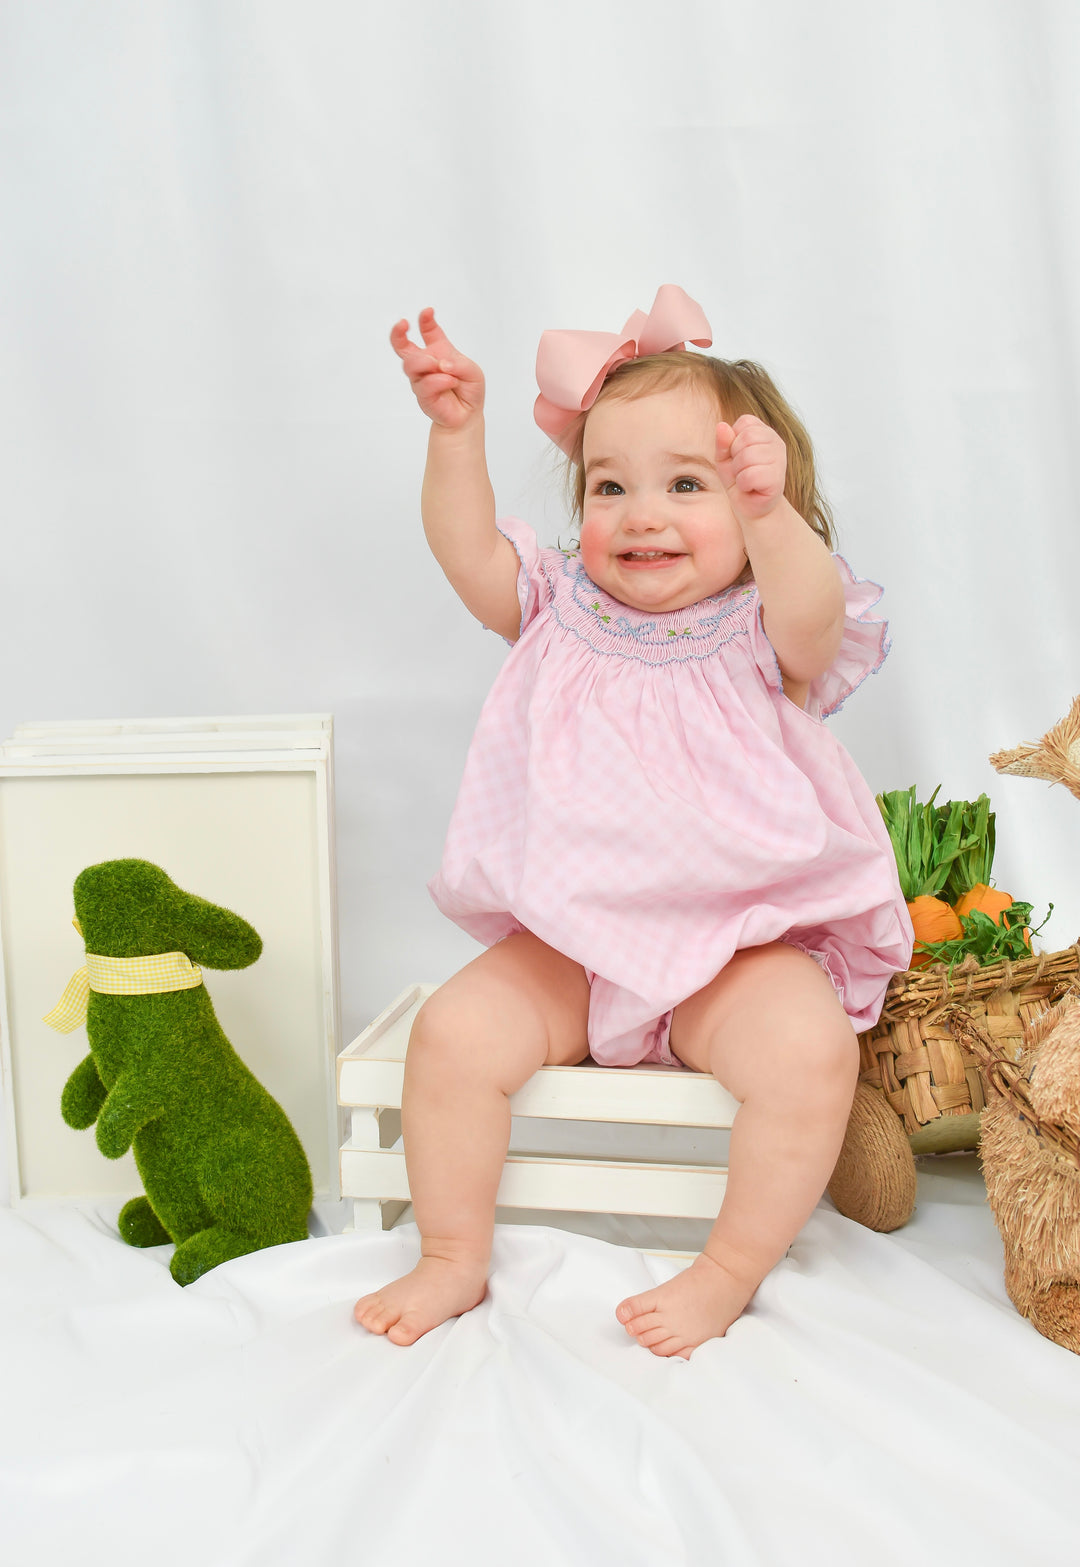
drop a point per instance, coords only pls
(153, 975)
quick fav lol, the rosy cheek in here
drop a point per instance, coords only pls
(593, 550)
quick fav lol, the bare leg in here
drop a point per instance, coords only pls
(771, 1030)
(519, 1006)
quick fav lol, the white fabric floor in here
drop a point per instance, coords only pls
(881, 1402)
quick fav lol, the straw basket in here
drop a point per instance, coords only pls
(920, 1091)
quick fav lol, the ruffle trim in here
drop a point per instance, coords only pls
(522, 537)
(864, 646)
(822, 961)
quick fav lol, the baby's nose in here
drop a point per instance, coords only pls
(640, 517)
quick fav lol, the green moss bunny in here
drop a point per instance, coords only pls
(223, 1169)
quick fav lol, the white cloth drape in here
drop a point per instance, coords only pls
(879, 1402)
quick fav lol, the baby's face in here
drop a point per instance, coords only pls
(657, 531)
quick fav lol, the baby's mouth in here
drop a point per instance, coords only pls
(648, 557)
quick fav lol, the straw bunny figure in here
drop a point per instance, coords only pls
(1056, 757)
(1030, 1147)
(223, 1169)
(1032, 1162)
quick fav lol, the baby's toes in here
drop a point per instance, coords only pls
(408, 1328)
(633, 1308)
(372, 1312)
(663, 1342)
(661, 1333)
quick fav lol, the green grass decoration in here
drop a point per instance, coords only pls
(926, 840)
(223, 1170)
(973, 862)
(944, 852)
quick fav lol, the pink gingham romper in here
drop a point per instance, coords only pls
(642, 796)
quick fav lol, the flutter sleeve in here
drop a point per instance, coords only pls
(863, 649)
(533, 588)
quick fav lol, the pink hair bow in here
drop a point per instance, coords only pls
(571, 367)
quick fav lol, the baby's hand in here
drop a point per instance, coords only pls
(752, 460)
(448, 387)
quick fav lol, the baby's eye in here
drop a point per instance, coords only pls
(609, 487)
(685, 486)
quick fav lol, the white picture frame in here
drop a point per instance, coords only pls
(236, 809)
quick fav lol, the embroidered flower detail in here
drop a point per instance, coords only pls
(637, 634)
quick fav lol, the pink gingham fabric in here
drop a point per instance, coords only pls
(641, 795)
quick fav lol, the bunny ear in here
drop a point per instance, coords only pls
(1055, 1075)
(212, 936)
(131, 908)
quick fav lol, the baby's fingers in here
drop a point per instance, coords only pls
(420, 365)
(756, 445)
(750, 433)
(437, 346)
(748, 423)
(757, 479)
(757, 454)
(448, 386)
(434, 337)
(725, 461)
(399, 339)
(417, 362)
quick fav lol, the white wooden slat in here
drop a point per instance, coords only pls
(44, 750)
(238, 724)
(562, 1185)
(163, 763)
(364, 1129)
(640, 1096)
(367, 1216)
(374, 1128)
(371, 1072)
(382, 1039)
(103, 746)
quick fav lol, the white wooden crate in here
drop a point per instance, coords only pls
(370, 1075)
(236, 809)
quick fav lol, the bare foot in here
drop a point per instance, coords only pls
(700, 1303)
(411, 1306)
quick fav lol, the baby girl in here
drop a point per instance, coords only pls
(665, 853)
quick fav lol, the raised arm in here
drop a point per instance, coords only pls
(456, 502)
(801, 593)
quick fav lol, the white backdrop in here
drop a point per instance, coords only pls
(213, 210)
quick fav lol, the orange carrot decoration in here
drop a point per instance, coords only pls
(949, 849)
(932, 920)
(988, 900)
(968, 885)
(926, 842)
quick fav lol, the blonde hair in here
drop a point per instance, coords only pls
(739, 387)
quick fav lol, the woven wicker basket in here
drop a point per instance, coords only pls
(930, 1080)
